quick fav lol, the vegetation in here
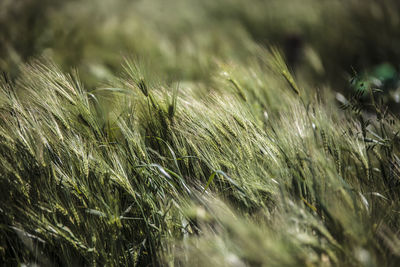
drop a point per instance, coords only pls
(199, 133)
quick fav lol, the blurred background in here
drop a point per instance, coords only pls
(328, 41)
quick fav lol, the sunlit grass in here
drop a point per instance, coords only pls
(192, 146)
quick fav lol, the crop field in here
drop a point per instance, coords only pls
(199, 133)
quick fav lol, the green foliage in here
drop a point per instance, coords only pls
(83, 183)
(202, 148)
